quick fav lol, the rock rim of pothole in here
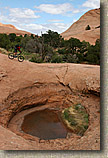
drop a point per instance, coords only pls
(74, 77)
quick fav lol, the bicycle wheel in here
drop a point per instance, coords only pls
(11, 56)
(20, 58)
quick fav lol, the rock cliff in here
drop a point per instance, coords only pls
(78, 29)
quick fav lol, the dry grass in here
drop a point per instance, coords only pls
(76, 118)
(3, 51)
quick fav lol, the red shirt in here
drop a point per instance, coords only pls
(18, 48)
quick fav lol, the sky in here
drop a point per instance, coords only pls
(38, 16)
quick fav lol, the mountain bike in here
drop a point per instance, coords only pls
(19, 56)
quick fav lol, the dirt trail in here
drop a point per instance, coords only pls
(16, 77)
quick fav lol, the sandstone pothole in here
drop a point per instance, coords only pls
(35, 108)
(44, 124)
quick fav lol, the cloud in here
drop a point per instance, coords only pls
(54, 20)
(91, 4)
(33, 27)
(56, 9)
(59, 27)
(18, 15)
(2, 17)
(24, 19)
(22, 13)
(37, 28)
(74, 20)
(76, 11)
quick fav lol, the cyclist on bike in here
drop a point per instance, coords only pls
(17, 48)
(15, 55)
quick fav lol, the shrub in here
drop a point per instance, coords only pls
(73, 123)
(86, 126)
(3, 51)
(56, 59)
(66, 114)
(70, 58)
(88, 27)
(36, 59)
(61, 51)
(76, 118)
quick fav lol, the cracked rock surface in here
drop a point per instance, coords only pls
(27, 86)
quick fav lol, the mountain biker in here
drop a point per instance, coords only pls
(17, 48)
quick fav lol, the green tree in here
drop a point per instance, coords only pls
(93, 54)
(82, 53)
(56, 59)
(18, 39)
(5, 41)
(25, 35)
(48, 53)
(87, 27)
(52, 38)
(33, 46)
(24, 41)
(73, 45)
(12, 37)
(32, 36)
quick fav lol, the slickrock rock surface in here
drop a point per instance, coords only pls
(78, 29)
(8, 28)
(9, 141)
(26, 86)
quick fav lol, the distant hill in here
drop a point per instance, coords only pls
(8, 28)
(78, 29)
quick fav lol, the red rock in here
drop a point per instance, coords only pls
(27, 84)
(77, 29)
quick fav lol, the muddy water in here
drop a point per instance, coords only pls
(44, 124)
